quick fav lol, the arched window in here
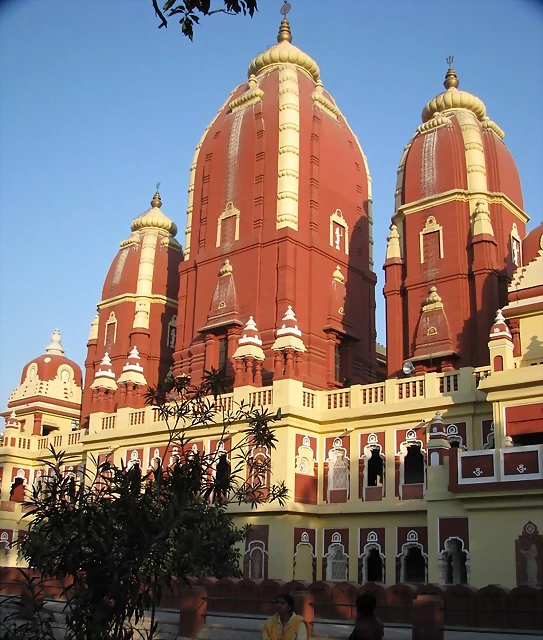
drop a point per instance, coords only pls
(337, 564)
(172, 332)
(454, 563)
(373, 566)
(414, 564)
(414, 465)
(375, 468)
(256, 560)
(223, 355)
(18, 486)
(337, 363)
(498, 363)
(110, 334)
(303, 562)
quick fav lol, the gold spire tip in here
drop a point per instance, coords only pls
(451, 79)
(284, 34)
(156, 201)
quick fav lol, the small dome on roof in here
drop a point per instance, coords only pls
(51, 375)
(532, 244)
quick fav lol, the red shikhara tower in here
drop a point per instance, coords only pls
(455, 237)
(132, 337)
(279, 230)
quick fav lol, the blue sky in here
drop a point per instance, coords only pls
(97, 105)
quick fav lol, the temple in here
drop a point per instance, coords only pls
(421, 463)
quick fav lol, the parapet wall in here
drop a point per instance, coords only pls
(491, 607)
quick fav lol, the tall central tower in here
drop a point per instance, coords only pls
(279, 229)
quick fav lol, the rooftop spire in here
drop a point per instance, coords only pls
(284, 30)
(451, 79)
(156, 202)
(55, 346)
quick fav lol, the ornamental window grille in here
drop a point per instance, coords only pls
(337, 564)
(339, 472)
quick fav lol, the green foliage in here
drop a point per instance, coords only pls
(25, 618)
(187, 11)
(120, 535)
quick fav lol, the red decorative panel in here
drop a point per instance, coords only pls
(329, 535)
(345, 443)
(412, 492)
(478, 466)
(401, 436)
(167, 452)
(312, 442)
(300, 534)
(458, 431)
(523, 419)
(431, 254)
(519, 463)
(416, 534)
(453, 528)
(133, 455)
(305, 488)
(368, 535)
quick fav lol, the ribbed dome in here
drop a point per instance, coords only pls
(284, 52)
(456, 147)
(154, 218)
(51, 376)
(452, 98)
(532, 244)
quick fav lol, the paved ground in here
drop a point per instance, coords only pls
(218, 625)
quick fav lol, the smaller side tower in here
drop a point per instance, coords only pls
(456, 231)
(132, 337)
(43, 410)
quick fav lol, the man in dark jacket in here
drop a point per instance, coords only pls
(368, 626)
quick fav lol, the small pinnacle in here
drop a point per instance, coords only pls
(451, 79)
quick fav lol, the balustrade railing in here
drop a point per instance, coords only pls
(108, 422)
(309, 399)
(410, 389)
(137, 417)
(262, 398)
(339, 399)
(373, 394)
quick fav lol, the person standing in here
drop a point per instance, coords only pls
(285, 624)
(368, 626)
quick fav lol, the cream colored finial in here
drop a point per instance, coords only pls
(156, 202)
(55, 346)
(284, 30)
(433, 301)
(393, 243)
(338, 276)
(481, 219)
(226, 269)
